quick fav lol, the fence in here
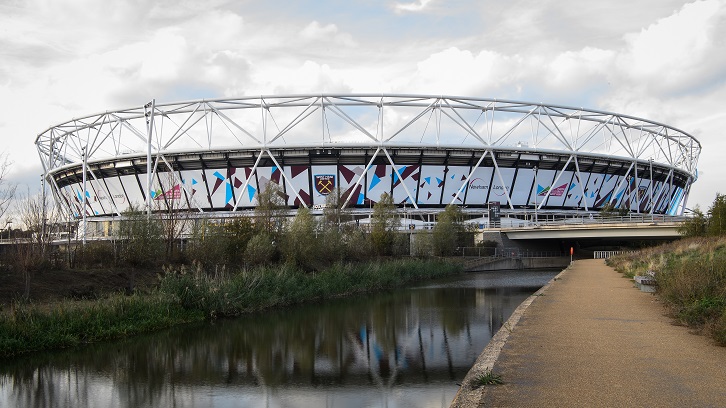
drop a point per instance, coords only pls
(608, 254)
(507, 253)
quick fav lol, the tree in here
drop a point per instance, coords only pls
(173, 217)
(694, 226)
(7, 191)
(32, 255)
(717, 216)
(448, 232)
(142, 239)
(207, 244)
(301, 243)
(271, 211)
(334, 214)
(237, 234)
(261, 249)
(335, 231)
(385, 222)
(356, 245)
(422, 245)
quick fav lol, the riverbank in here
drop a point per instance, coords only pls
(184, 295)
(591, 339)
(691, 279)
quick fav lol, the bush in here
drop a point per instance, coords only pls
(96, 254)
(357, 246)
(384, 223)
(422, 245)
(691, 276)
(261, 249)
(142, 242)
(224, 294)
(300, 242)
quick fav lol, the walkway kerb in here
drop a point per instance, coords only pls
(469, 394)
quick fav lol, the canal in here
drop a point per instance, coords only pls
(407, 348)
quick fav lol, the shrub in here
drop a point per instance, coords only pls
(691, 276)
(260, 249)
(96, 254)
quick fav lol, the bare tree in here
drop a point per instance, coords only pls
(7, 191)
(37, 216)
(173, 215)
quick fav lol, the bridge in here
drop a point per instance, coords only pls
(524, 244)
(633, 226)
(662, 230)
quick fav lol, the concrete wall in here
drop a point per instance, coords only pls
(520, 263)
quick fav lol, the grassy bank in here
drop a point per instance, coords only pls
(191, 295)
(691, 276)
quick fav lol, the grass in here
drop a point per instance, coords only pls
(691, 277)
(186, 295)
(28, 327)
(281, 285)
(488, 378)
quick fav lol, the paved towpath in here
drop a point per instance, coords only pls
(592, 340)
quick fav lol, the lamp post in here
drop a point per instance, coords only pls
(650, 187)
(84, 202)
(536, 193)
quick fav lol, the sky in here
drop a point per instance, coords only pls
(663, 60)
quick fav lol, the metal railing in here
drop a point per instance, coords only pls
(545, 221)
(608, 254)
(499, 253)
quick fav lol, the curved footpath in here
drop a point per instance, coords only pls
(590, 338)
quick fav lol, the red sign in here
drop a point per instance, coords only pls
(173, 194)
(558, 191)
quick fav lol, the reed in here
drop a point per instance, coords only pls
(231, 294)
(691, 276)
(27, 327)
(192, 294)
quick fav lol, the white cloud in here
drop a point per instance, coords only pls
(416, 6)
(576, 70)
(664, 60)
(461, 72)
(677, 52)
(310, 77)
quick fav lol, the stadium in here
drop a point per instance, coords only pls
(211, 158)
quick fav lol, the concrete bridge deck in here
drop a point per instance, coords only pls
(591, 339)
(614, 230)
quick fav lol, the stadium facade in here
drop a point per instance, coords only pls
(213, 157)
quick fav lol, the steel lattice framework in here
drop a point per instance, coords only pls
(653, 164)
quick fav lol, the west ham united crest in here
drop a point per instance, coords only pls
(324, 183)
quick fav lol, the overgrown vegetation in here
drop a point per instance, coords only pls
(691, 277)
(260, 288)
(186, 295)
(691, 273)
(225, 268)
(713, 223)
(28, 327)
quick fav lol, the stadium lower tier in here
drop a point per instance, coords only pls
(226, 182)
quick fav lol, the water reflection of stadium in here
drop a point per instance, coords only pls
(426, 337)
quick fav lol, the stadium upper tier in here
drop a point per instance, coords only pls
(426, 151)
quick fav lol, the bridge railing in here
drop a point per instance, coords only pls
(608, 254)
(484, 252)
(556, 220)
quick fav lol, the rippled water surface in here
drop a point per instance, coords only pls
(406, 348)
